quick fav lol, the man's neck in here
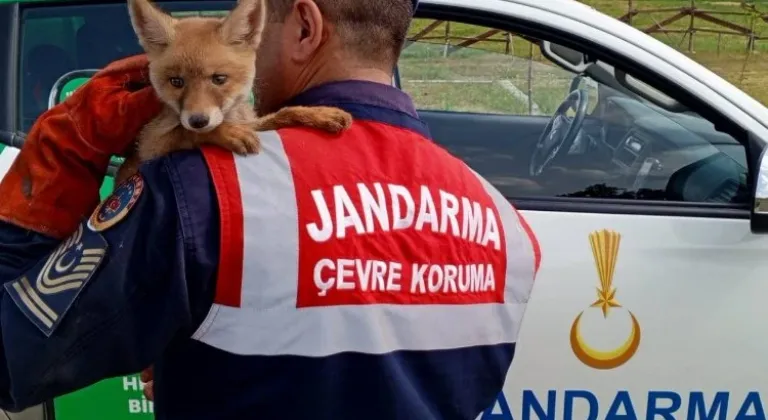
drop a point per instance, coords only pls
(334, 69)
(366, 75)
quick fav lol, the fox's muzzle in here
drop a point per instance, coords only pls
(201, 121)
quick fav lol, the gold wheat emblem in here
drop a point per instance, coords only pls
(605, 250)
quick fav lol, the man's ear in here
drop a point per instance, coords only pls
(245, 23)
(309, 31)
(153, 26)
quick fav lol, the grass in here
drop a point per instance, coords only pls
(483, 73)
(479, 80)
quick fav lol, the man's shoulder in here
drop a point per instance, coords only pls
(180, 168)
(184, 178)
(189, 162)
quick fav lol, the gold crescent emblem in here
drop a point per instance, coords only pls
(605, 249)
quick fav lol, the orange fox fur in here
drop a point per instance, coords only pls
(203, 69)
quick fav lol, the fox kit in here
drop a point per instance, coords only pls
(203, 69)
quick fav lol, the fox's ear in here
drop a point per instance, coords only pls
(245, 23)
(153, 26)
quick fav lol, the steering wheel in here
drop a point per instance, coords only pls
(576, 82)
(560, 132)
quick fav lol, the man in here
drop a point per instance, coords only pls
(366, 276)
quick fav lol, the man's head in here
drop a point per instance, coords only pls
(307, 42)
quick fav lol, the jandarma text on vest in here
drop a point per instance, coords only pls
(378, 208)
(474, 227)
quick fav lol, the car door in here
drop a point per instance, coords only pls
(650, 294)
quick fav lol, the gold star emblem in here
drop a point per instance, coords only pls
(606, 300)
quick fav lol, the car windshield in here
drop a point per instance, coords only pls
(58, 39)
(695, 128)
(657, 112)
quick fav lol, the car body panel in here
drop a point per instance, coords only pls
(696, 287)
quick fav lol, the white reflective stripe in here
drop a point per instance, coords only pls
(372, 329)
(270, 230)
(7, 156)
(521, 270)
(271, 234)
(268, 322)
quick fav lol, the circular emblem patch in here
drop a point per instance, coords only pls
(117, 205)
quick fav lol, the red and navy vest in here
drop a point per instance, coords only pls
(365, 275)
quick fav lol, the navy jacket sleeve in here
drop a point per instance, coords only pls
(150, 279)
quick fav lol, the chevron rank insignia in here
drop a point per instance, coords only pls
(48, 290)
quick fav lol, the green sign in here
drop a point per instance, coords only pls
(69, 88)
(114, 399)
(118, 398)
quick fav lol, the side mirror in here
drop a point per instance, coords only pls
(565, 57)
(758, 220)
(67, 84)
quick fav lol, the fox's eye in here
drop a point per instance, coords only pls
(219, 79)
(176, 82)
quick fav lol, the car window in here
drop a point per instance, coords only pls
(494, 100)
(58, 39)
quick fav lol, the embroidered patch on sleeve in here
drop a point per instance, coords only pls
(114, 209)
(48, 290)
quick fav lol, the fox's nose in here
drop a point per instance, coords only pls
(198, 121)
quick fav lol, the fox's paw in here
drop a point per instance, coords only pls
(239, 138)
(332, 120)
(326, 118)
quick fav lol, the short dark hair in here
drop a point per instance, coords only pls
(373, 30)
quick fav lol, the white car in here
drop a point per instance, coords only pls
(640, 171)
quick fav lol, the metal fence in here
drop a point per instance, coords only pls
(718, 22)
